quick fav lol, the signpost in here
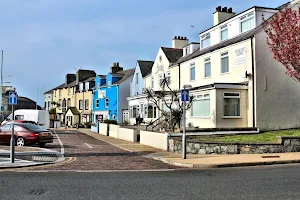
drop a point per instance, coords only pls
(184, 98)
(13, 100)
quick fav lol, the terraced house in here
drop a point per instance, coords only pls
(151, 77)
(110, 92)
(73, 99)
(234, 77)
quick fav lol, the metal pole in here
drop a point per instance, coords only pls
(183, 134)
(12, 140)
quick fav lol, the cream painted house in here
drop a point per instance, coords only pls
(234, 78)
(137, 102)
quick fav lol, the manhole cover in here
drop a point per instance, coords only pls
(270, 156)
(37, 192)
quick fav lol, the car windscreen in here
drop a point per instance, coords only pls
(31, 127)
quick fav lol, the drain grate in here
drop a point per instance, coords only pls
(37, 192)
(270, 156)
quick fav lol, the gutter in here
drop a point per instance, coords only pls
(253, 85)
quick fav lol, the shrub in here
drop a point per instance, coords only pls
(52, 111)
(108, 121)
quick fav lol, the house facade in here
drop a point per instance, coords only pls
(109, 94)
(48, 98)
(231, 74)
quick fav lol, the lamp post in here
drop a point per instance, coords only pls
(185, 87)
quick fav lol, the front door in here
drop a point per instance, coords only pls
(125, 116)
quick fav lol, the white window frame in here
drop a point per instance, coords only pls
(169, 75)
(223, 28)
(245, 18)
(207, 60)
(69, 91)
(192, 65)
(204, 37)
(224, 55)
(232, 97)
(80, 105)
(86, 105)
(202, 96)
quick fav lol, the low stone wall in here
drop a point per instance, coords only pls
(285, 144)
(103, 130)
(154, 139)
(113, 130)
(128, 134)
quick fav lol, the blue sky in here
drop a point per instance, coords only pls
(45, 39)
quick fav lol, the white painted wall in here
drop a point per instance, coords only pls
(128, 134)
(103, 129)
(154, 139)
(124, 92)
(113, 130)
(134, 87)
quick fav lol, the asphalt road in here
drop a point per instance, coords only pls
(92, 154)
(272, 182)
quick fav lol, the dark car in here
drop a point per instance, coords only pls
(25, 133)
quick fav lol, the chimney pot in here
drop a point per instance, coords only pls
(175, 37)
(229, 10)
(224, 9)
(178, 37)
(218, 9)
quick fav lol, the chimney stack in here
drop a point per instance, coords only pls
(222, 14)
(179, 42)
(115, 68)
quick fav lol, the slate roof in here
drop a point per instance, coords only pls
(172, 54)
(241, 37)
(74, 110)
(89, 79)
(126, 74)
(145, 67)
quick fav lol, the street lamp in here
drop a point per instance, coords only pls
(185, 87)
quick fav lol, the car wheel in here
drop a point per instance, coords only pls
(20, 142)
(42, 144)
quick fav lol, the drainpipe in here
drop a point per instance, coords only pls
(179, 76)
(253, 84)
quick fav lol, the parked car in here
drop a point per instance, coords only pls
(21, 121)
(25, 133)
(41, 117)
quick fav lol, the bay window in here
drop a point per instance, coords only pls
(201, 106)
(232, 104)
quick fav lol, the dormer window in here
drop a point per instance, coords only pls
(247, 22)
(205, 41)
(224, 32)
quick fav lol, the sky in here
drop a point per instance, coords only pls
(43, 40)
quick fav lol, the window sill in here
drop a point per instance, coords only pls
(200, 117)
(207, 77)
(224, 73)
(231, 117)
(193, 80)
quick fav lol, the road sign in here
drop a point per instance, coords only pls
(185, 95)
(13, 98)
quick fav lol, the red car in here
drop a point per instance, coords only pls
(22, 121)
(25, 133)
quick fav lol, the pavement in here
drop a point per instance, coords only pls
(197, 160)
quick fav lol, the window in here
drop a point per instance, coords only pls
(5, 127)
(73, 90)
(69, 102)
(207, 67)
(19, 117)
(192, 72)
(205, 41)
(160, 79)
(137, 78)
(80, 105)
(224, 32)
(201, 106)
(247, 22)
(186, 51)
(231, 104)
(151, 111)
(224, 63)
(69, 91)
(59, 92)
(86, 104)
(54, 93)
(152, 82)
(134, 111)
(168, 76)
(142, 110)
(108, 84)
(87, 86)
(106, 103)
(49, 104)
(97, 103)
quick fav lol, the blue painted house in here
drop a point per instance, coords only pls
(109, 94)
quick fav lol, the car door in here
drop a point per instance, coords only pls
(5, 133)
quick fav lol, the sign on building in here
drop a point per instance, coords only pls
(240, 56)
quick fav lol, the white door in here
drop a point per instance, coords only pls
(125, 116)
